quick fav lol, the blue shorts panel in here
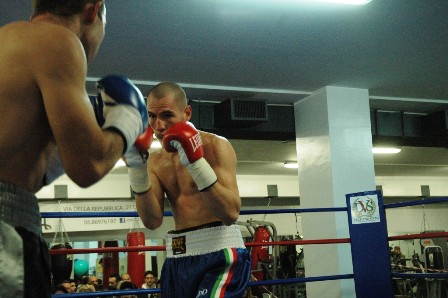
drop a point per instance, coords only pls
(223, 273)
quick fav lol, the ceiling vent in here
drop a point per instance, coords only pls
(237, 112)
(436, 124)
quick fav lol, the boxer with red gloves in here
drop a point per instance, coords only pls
(196, 172)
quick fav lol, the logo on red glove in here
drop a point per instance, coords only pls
(196, 141)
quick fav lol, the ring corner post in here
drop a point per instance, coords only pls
(369, 244)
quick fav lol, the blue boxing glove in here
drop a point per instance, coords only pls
(124, 107)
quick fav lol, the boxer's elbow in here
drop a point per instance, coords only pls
(86, 174)
(231, 217)
(85, 179)
(152, 223)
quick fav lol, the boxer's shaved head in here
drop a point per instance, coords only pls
(169, 88)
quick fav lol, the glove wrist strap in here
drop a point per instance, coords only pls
(139, 179)
(202, 174)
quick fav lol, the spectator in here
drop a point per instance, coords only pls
(127, 285)
(150, 280)
(126, 277)
(114, 279)
(86, 288)
(398, 258)
(73, 286)
(60, 289)
(93, 280)
(67, 286)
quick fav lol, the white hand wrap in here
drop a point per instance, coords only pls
(202, 173)
(139, 178)
(135, 159)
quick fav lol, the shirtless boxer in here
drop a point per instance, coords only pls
(47, 123)
(196, 171)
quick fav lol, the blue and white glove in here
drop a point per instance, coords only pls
(124, 107)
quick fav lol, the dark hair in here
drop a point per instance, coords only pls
(149, 272)
(127, 285)
(64, 8)
(116, 275)
(84, 279)
(61, 288)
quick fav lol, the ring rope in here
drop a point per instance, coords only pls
(420, 275)
(118, 293)
(415, 203)
(419, 236)
(401, 267)
(300, 280)
(162, 247)
(169, 213)
(250, 284)
(242, 212)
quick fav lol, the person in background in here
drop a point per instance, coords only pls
(67, 286)
(73, 286)
(85, 288)
(150, 280)
(127, 285)
(93, 280)
(398, 258)
(114, 279)
(60, 289)
(126, 277)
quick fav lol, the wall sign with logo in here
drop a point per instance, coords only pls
(364, 209)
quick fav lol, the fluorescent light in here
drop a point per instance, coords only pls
(384, 150)
(353, 2)
(291, 165)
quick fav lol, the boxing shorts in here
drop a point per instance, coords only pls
(205, 261)
(24, 259)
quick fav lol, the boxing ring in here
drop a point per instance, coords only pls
(368, 241)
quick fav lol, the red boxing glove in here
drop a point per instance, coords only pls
(139, 153)
(183, 138)
(144, 141)
(188, 137)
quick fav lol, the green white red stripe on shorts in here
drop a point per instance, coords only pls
(226, 277)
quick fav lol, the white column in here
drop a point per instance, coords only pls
(334, 152)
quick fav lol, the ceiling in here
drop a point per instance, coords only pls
(281, 51)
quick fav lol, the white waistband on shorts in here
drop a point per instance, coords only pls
(203, 241)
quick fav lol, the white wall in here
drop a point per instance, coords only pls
(116, 187)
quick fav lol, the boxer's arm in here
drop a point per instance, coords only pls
(87, 151)
(222, 198)
(150, 204)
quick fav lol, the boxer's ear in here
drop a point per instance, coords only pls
(91, 11)
(188, 113)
